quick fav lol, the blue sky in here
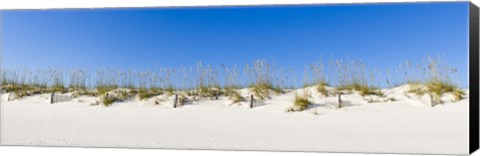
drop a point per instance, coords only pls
(381, 35)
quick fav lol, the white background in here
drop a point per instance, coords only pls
(53, 151)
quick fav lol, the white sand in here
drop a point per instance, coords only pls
(408, 125)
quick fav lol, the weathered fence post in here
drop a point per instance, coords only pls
(339, 100)
(175, 102)
(52, 96)
(251, 101)
(432, 102)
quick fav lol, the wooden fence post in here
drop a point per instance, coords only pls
(339, 100)
(9, 94)
(251, 101)
(175, 102)
(51, 97)
(432, 102)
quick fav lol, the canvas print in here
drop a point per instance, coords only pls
(370, 78)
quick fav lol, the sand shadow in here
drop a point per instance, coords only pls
(259, 103)
(333, 105)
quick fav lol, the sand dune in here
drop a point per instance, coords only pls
(407, 125)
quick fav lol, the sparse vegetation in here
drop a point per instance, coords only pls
(300, 103)
(182, 100)
(145, 94)
(109, 100)
(260, 80)
(431, 77)
(354, 75)
(234, 95)
(322, 88)
(417, 89)
(261, 90)
(458, 94)
(435, 80)
(438, 88)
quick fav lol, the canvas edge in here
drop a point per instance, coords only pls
(474, 77)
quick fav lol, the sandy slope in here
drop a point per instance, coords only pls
(408, 125)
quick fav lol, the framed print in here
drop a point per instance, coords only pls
(362, 78)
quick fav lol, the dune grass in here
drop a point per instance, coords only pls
(439, 88)
(261, 90)
(432, 76)
(322, 88)
(436, 89)
(182, 100)
(435, 80)
(234, 95)
(148, 93)
(354, 75)
(109, 100)
(300, 103)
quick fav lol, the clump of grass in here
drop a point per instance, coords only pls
(371, 91)
(58, 80)
(144, 94)
(352, 75)
(261, 90)
(182, 100)
(78, 80)
(231, 77)
(234, 95)
(277, 89)
(417, 89)
(19, 93)
(169, 90)
(437, 80)
(109, 100)
(105, 81)
(207, 83)
(206, 92)
(260, 79)
(116, 95)
(458, 94)
(438, 88)
(322, 88)
(102, 90)
(148, 93)
(25, 82)
(363, 90)
(300, 103)
(316, 72)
